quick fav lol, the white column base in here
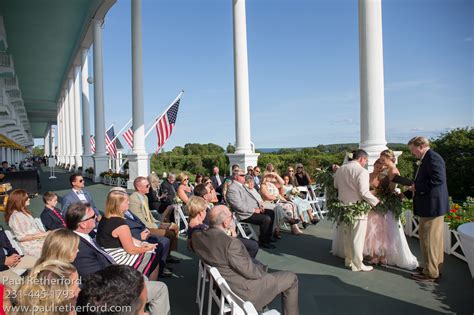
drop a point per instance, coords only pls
(243, 160)
(78, 161)
(101, 164)
(138, 165)
(87, 161)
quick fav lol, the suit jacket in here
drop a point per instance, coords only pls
(353, 184)
(217, 187)
(247, 279)
(5, 245)
(89, 259)
(241, 200)
(72, 197)
(431, 196)
(141, 210)
(170, 189)
(50, 220)
(136, 225)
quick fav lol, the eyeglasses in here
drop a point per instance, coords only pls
(185, 179)
(208, 183)
(256, 171)
(81, 181)
(91, 217)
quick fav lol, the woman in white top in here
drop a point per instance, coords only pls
(22, 223)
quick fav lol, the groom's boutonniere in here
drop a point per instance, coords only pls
(418, 162)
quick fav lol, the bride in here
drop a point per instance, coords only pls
(385, 241)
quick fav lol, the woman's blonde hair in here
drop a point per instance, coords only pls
(115, 198)
(46, 290)
(60, 244)
(181, 176)
(196, 205)
(154, 181)
(388, 154)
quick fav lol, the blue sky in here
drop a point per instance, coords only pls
(303, 69)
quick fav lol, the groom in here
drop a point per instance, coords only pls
(352, 182)
(430, 204)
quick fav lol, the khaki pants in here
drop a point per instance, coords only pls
(354, 238)
(432, 246)
(12, 279)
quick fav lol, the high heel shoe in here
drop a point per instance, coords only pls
(305, 225)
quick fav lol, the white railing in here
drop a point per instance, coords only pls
(5, 60)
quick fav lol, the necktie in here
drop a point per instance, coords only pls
(103, 252)
(59, 216)
(218, 178)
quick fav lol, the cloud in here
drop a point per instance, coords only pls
(468, 39)
(343, 121)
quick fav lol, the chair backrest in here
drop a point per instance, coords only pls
(39, 224)
(14, 243)
(237, 305)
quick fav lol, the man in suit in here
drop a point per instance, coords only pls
(430, 204)
(248, 280)
(248, 209)
(217, 182)
(12, 264)
(78, 193)
(352, 183)
(257, 178)
(139, 207)
(91, 258)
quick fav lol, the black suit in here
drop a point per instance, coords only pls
(50, 220)
(7, 246)
(89, 259)
(216, 185)
(431, 197)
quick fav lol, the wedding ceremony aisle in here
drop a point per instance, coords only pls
(325, 285)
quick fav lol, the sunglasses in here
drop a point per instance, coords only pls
(89, 218)
(242, 175)
(290, 171)
(256, 171)
(185, 179)
(81, 181)
(147, 186)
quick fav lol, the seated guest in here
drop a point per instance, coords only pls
(139, 207)
(60, 244)
(168, 188)
(197, 213)
(51, 216)
(12, 265)
(22, 223)
(207, 181)
(5, 167)
(113, 234)
(140, 232)
(92, 258)
(78, 193)
(184, 191)
(248, 280)
(119, 286)
(248, 209)
(285, 211)
(51, 287)
(217, 180)
(198, 180)
(156, 200)
(257, 178)
(303, 206)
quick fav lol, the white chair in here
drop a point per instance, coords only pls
(203, 277)
(230, 301)
(179, 216)
(39, 224)
(245, 230)
(14, 243)
(314, 203)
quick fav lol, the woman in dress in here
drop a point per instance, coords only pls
(397, 250)
(23, 225)
(376, 236)
(303, 206)
(113, 234)
(184, 191)
(287, 211)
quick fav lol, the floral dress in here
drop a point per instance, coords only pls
(288, 208)
(22, 225)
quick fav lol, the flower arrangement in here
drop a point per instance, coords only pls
(90, 170)
(460, 214)
(294, 191)
(177, 201)
(418, 163)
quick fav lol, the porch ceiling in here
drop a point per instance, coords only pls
(43, 37)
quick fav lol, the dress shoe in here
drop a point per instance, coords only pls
(305, 225)
(315, 221)
(267, 246)
(363, 268)
(423, 278)
(165, 273)
(172, 260)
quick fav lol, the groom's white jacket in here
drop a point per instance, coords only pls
(352, 183)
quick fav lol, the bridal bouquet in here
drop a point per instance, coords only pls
(177, 201)
(294, 191)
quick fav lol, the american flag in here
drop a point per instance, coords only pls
(111, 148)
(164, 126)
(92, 142)
(128, 136)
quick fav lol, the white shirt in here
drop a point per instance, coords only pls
(80, 194)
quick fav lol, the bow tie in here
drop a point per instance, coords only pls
(80, 192)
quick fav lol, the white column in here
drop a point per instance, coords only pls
(77, 117)
(87, 160)
(63, 130)
(71, 123)
(46, 144)
(58, 129)
(9, 156)
(138, 161)
(52, 135)
(67, 128)
(244, 155)
(372, 112)
(100, 158)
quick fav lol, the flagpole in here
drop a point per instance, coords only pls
(121, 130)
(158, 119)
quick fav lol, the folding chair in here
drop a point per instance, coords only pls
(245, 229)
(231, 301)
(314, 203)
(179, 216)
(39, 224)
(203, 277)
(14, 243)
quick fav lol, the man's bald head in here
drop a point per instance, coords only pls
(218, 215)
